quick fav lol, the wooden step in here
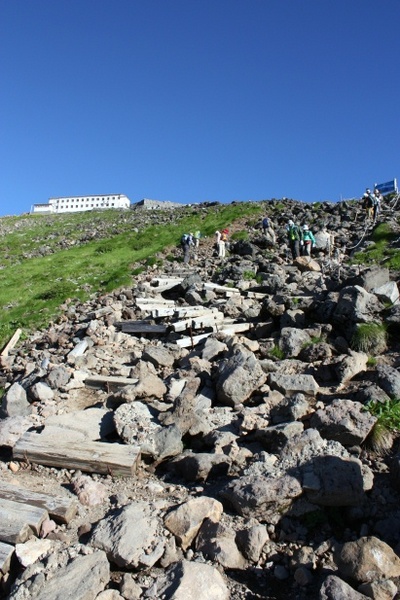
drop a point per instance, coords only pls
(61, 509)
(18, 521)
(91, 457)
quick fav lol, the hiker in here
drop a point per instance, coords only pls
(197, 236)
(308, 239)
(368, 203)
(295, 237)
(377, 204)
(268, 230)
(222, 243)
(186, 243)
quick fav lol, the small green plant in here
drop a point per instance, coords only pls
(369, 338)
(249, 275)
(277, 352)
(240, 236)
(380, 438)
(371, 362)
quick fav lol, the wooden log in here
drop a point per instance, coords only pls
(12, 342)
(141, 327)
(199, 322)
(61, 509)
(159, 301)
(18, 521)
(187, 342)
(220, 288)
(91, 457)
(6, 552)
(194, 311)
(108, 381)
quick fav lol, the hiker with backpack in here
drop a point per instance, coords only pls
(309, 240)
(377, 204)
(186, 243)
(295, 238)
(368, 203)
(268, 230)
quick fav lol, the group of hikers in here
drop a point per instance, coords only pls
(371, 203)
(301, 240)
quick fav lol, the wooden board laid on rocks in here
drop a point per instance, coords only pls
(19, 521)
(6, 552)
(108, 381)
(91, 457)
(141, 327)
(60, 508)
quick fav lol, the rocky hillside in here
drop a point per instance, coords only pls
(209, 431)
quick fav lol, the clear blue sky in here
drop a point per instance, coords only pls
(195, 100)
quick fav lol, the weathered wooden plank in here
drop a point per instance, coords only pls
(199, 322)
(220, 288)
(141, 327)
(159, 301)
(61, 509)
(91, 457)
(108, 381)
(19, 520)
(12, 532)
(187, 342)
(194, 311)
(12, 342)
(6, 552)
(235, 328)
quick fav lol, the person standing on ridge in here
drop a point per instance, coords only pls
(377, 204)
(295, 237)
(308, 239)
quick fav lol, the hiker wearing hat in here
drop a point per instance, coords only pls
(308, 239)
(295, 237)
(368, 203)
(377, 203)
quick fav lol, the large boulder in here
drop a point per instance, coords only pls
(238, 377)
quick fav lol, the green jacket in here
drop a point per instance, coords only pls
(294, 233)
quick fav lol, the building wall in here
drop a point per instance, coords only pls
(83, 203)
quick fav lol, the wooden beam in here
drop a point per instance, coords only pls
(108, 381)
(18, 521)
(60, 508)
(10, 345)
(141, 327)
(91, 457)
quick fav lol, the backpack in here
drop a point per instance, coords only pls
(265, 222)
(184, 239)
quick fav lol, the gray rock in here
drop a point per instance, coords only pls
(217, 542)
(293, 384)
(185, 520)
(355, 305)
(159, 356)
(12, 428)
(130, 536)
(202, 466)
(251, 541)
(389, 292)
(347, 367)
(41, 392)
(15, 402)
(345, 421)
(367, 559)
(58, 377)
(83, 578)
(335, 481)
(239, 377)
(292, 341)
(192, 581)
(263, 498)
(335, 588)
(389, 380)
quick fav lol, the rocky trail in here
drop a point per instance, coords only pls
(204, 433)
